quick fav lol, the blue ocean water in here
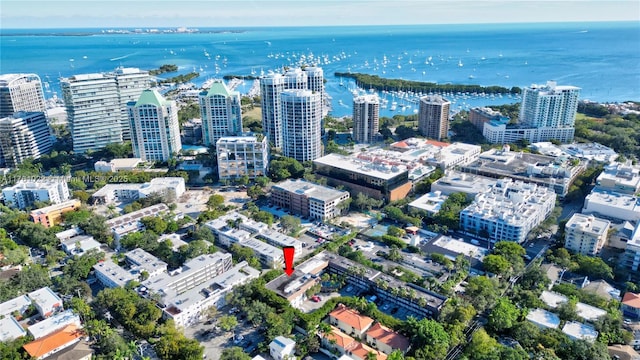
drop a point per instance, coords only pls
(601, 58)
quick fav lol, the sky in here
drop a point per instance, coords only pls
(244, 13)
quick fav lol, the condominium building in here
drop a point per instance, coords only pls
(240, 156)
(454, 181)
(50, 216)
(301, 124)
(46, 301)
(366, 113)
(128, 223)
(111, 275)
(143, 261)
(508, 211)
(23, 135)
(155, 132)
(549, 106)
(433, 117)
(621, 178)
(632, 251)
(221, 113)
(296, 79)
(308, 199)
(171, 187)
(500, 132)
(315, 83)
(97, 106)
(586, 234)
(93, 111)
(271, 86)
(612, 205)
(380, 181)
(25, 193)
(482, 115)
(20, 92)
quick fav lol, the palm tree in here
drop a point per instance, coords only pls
(396, 355)
(324, 329)
(371, 356)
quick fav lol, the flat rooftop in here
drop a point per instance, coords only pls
(136, 216)
(429, 202)
(56, 322)
(543, 318)
(311, 190)
(380, 171)
(113, 272)
(145, 261)
(10, 329)
(456, 181)
(45, 298)
(285, 285)
(580, 331)
(15, 304)
(588, 224)
(56, 207)
(613, 199)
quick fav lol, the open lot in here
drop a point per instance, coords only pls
(193, 202)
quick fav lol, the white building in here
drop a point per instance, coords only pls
(590, 151)
(20, 92)
(18, 305)
(96, 106)
(620, 178)
(308, 199)
(429, 202)
(46, 301)
(632, 251)
(10, 329)
(502, 133)
(143, 261)
(586, 234)
(23, 135)
(508, 211)
(315, 83)
(155, 133)
(221, 113)
(54, 323)
(612, 205)
(242, 155)
(125, 164)
(579, 331)
(282, 348)
(170, 187)
(111, 275)
(301, 112)
(128, 223)
(366, 118)
(25, 193)
(543, 319)
(75, 242)
(188, 307)
(433, 117)
(549, 106)
(435, 153)
(271, 86)
(296, 79)
(455, 181)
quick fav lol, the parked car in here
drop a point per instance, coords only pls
(315, 298)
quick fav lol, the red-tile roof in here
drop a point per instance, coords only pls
(401, 144)
(351, 317)
(342, 340)
(361, 351)
(45, 345)
(437, 143)
(387, 336)
(631, 299)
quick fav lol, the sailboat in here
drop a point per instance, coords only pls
(460, 63)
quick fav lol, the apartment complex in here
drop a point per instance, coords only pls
(632, 250)
(240, 156)
(301, 112)
(366, 118)
(612, 205)
(170, 187)
(586, 234)
(20, 92)
(308, 199)
(481, 115)
(433, 117)
(25, 193)
(97, 106)
(155, 134)
(377, 180)
(508, 211)
(128, 223)
(23, 135)
(46, 301)
(221, 113)
(621, 178)
(271, 86)
(50, 216)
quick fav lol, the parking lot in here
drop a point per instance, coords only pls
(385, 306)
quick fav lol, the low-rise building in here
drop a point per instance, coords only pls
(10, 329)
(620, 178)
(612, 205)
(55, 342)
(386, 340)
(585, 311)
(282, 348)
(111, 275)
(586, 234)
(501, 132)
(170, 187)
(623, 352)
(602, 289)
(46, 301)
(16, 306)
(348, 347)
(52, 215)
(308, 199)
(632, 249)
(430, 152)
(590, 151)
(128, 223)
(543, 319)
(54, 323)
(454, 181)
(125, 164)
(143, 261)
(429, 202)
(349, 321)
(24, 193)
(75, 242)
(294, 287)
(240, 156)
(378, 181)
(578, 331)
(508, 211)
(631, 305)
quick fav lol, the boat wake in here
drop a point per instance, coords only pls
(122, 57)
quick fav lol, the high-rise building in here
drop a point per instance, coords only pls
(549, 106)
(315, 82)
(301, 124)
(433, 117)
(366, 112)
(481, 115)
(221, 113)
(20, 92)
(93, 110)
(296, 79)
(131, 82)
(271, 86)
(155, 132)
(23, 135)
(242, 155)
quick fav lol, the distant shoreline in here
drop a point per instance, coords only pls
(123, 32)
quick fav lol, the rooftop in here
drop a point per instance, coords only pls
(587, 312)
(151, 97)
(136, 216)
(56, 207)
(10, 329)
(381, 171)
(429, 202)
(351, 317)
(45, 298)
(614, 199)
(43, 346)
(632, 300)
(387, 336)
(282, 342)
(617, 176)
(543, 318)
(15, 304)
(588, 224)
(580, 331)
(54, 323)
(456, 181)
(145, 261)
(114, 273)
(311, 190)
(624, 352)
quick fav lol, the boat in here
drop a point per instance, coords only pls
(460, 63)
(471, 77)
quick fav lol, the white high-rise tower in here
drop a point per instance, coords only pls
(271, 86)
(366, 112)
(20, 92)
(301, 124)
(549, 106)
(221, 113)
